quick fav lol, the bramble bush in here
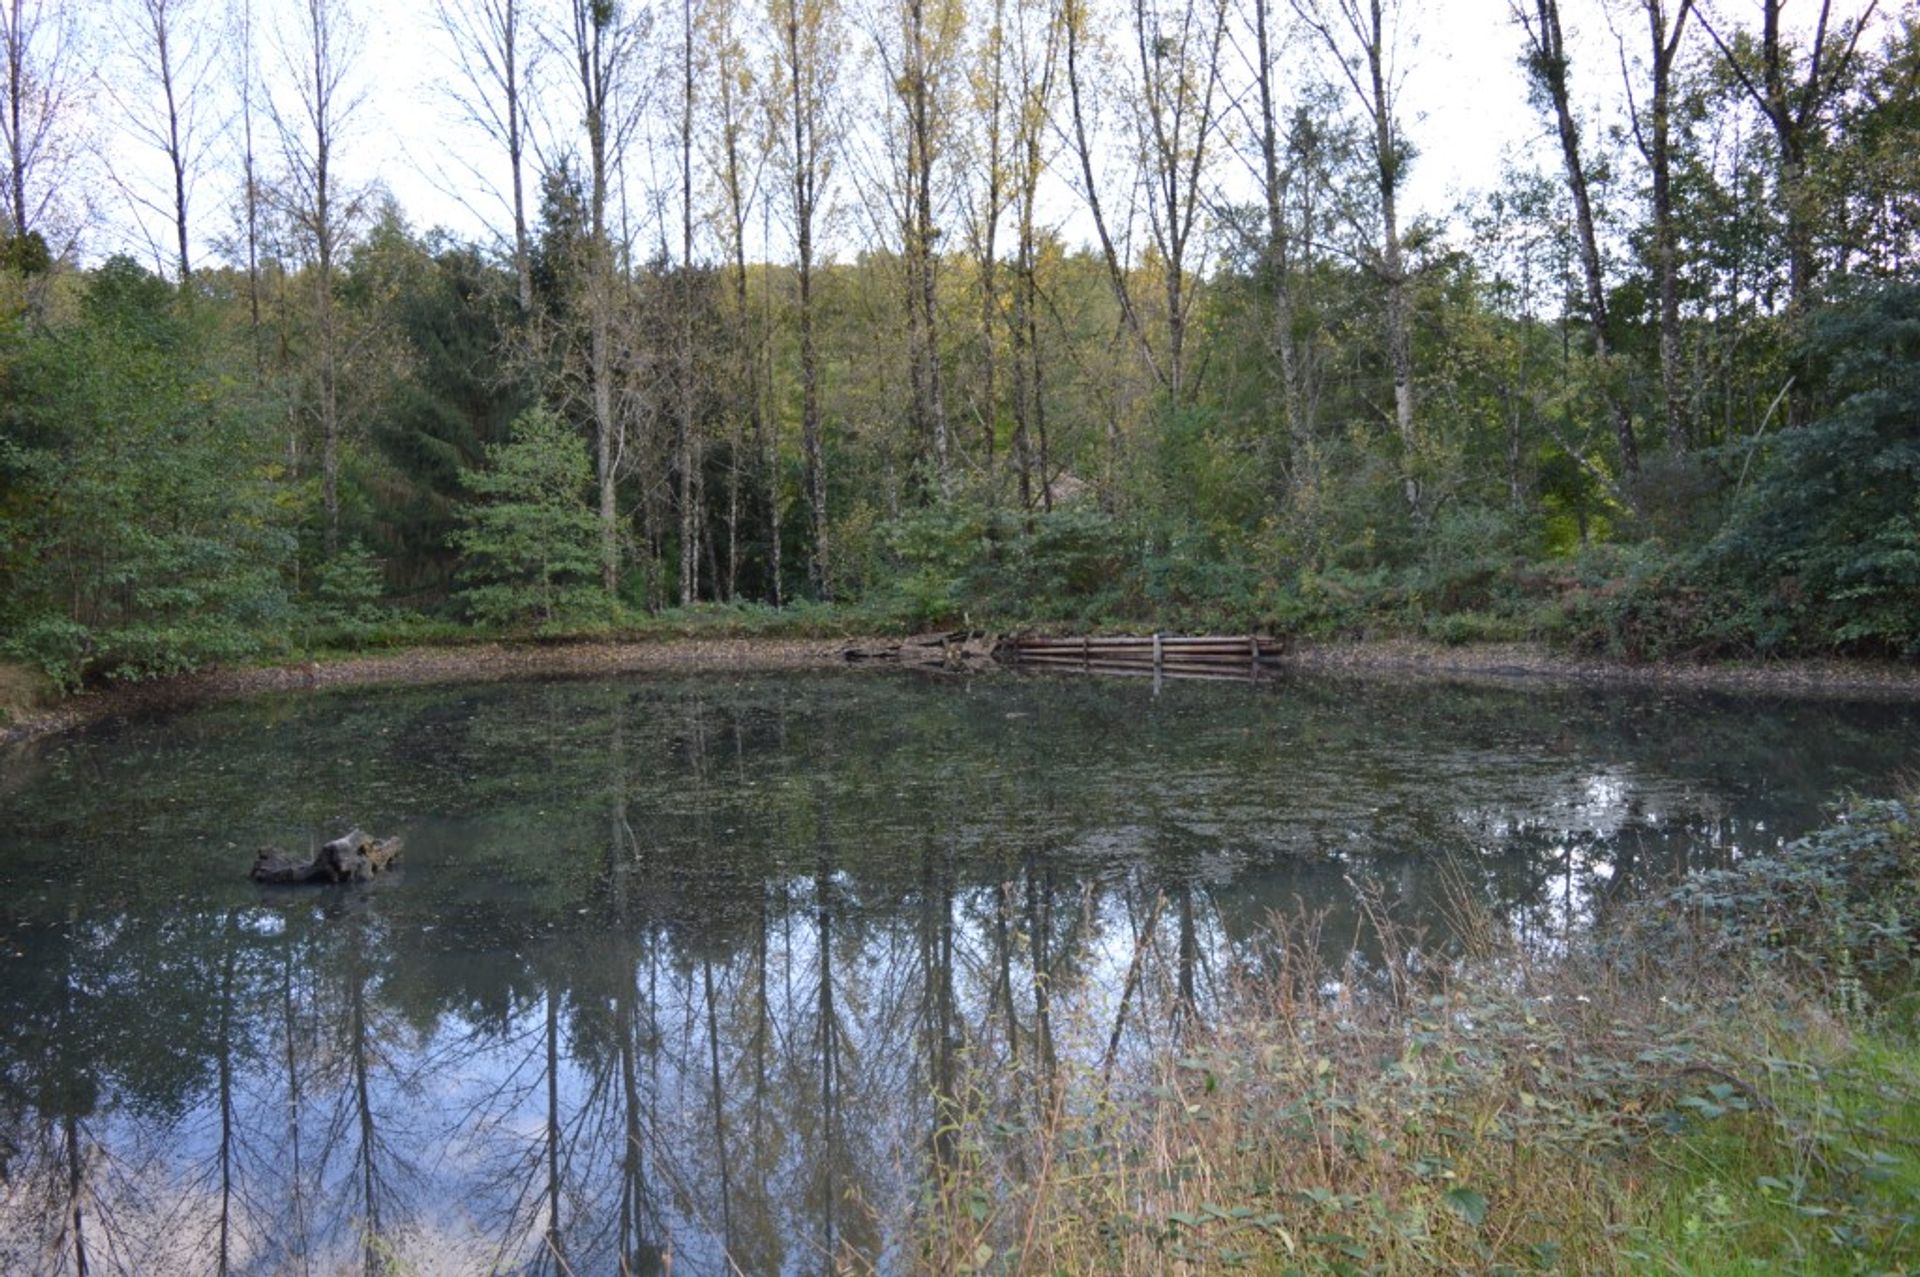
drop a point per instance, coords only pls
(1841, 905)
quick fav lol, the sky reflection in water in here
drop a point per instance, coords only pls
(676, 964)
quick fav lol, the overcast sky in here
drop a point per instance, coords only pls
(1465, 102)
(1464, 106)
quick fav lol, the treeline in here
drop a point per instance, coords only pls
(1028, 310)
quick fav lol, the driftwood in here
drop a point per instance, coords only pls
(960, 650)
(353, 857)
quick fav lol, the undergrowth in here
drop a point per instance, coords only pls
(21, 691)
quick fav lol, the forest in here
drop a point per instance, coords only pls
(888, 314)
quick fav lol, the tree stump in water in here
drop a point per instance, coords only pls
(353, 857)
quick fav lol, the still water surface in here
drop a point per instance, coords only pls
(674, 967)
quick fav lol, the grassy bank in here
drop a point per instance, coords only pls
(1729, 1082)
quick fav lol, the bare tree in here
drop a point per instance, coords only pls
(989, 197)
(1547, 66)
(808, 66)
(318, 57)
(1360, 36)
(918, 46)
(1176, 117)
(246, 71)
(494, 57)
(39, 41)
(740, 144)
(1077, 29)
(1666, 28)
(172, 59)
(689, 461)
(605, 47)
(1291, 165)
(1795, 98)
(1172, 97)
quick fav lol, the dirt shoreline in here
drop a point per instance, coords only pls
(1510, 663)
(479, 662)
(1495, 664)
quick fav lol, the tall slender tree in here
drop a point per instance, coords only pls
(1039, 25)
(1080, 41)
(739, 144)
(918, 43)
(245, 69)
(1176, 107)
(1797, 97)
(688, 449)
(605, 44)
(318, 103)
(808, 66)
(1652, 118)
(1291, 162)
(1360, 37)
(172, 57)
(990, 98)
(39, 45)
(494, 57)
(1548, 64)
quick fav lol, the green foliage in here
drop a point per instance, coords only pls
(347, 606)
(955, 561)
(530, 545)
(158, 456)
(141, 535)
(1843, 903)
(1822, 549)
(26, 254)
(1649, 606)
(1460, 628)
(440, 303)
(1468, 558)
(1830, 530)
(61, 649)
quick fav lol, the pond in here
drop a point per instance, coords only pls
(675, 967)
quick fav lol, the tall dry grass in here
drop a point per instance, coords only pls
(1490, 1112)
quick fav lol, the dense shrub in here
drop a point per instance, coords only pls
(138, 532)
(1829, 532)
(954, 561)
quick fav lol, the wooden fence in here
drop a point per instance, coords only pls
(1150, 656)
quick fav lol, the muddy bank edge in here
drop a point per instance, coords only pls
(1480, 663)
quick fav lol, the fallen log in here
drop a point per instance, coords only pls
(960, 650)
(352, 857)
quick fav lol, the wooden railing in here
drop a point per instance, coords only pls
(1149, 656)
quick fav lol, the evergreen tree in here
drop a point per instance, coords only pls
(531, 543)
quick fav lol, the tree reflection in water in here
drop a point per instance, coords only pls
(703, 975)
